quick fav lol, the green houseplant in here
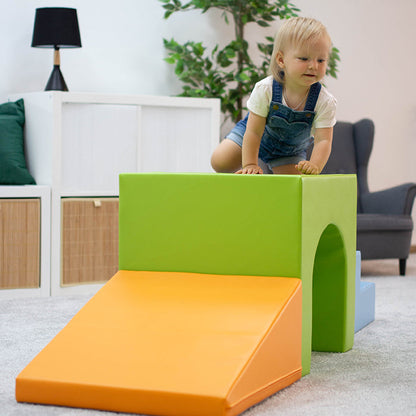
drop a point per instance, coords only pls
(229, 72)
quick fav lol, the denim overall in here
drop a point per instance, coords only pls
(287, 132)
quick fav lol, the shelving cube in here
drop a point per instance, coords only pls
(79, 143)
(24, 241)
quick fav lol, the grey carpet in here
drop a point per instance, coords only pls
(377, 377)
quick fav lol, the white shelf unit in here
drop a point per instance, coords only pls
(78, 144)
(44, 195)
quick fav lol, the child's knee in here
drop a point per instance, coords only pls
(226, 157)
(218, 162)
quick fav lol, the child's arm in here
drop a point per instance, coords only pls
(320, 153)
(251, 144)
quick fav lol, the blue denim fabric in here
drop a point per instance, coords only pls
(287, 134)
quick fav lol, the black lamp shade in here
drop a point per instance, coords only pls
(56, 27)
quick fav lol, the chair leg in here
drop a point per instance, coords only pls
(402, 266)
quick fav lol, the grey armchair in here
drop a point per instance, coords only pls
(384, 221)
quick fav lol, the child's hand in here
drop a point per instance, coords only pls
(251, 170)
(307, 168)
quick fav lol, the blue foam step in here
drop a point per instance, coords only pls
(365, 297)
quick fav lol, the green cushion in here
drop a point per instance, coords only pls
(13, 169)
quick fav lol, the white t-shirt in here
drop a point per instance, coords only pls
(261, 96)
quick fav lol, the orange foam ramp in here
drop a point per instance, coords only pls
(165, 343)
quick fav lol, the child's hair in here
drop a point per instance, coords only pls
(294, 31)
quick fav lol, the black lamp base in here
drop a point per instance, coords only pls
(56, 81)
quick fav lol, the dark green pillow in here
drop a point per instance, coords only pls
(13, 170)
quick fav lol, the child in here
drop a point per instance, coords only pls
(286, 109)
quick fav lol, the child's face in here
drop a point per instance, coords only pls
(304, 65)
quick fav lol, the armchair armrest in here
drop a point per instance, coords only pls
(397, 200)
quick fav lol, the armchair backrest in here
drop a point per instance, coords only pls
(351, 149)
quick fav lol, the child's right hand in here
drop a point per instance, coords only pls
(251, 170)
(307, 168)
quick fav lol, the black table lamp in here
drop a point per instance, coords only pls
(56, 27)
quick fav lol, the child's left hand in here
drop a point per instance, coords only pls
(307, 168)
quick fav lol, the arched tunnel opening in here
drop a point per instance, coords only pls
(329, 288)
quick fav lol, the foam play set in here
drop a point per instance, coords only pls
(226, 285)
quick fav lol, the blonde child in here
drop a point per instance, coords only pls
(288, 110)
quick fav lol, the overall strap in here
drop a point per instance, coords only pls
(277, 92)
(310, 101)
(312, 97)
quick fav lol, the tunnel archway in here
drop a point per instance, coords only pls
(328, 291)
